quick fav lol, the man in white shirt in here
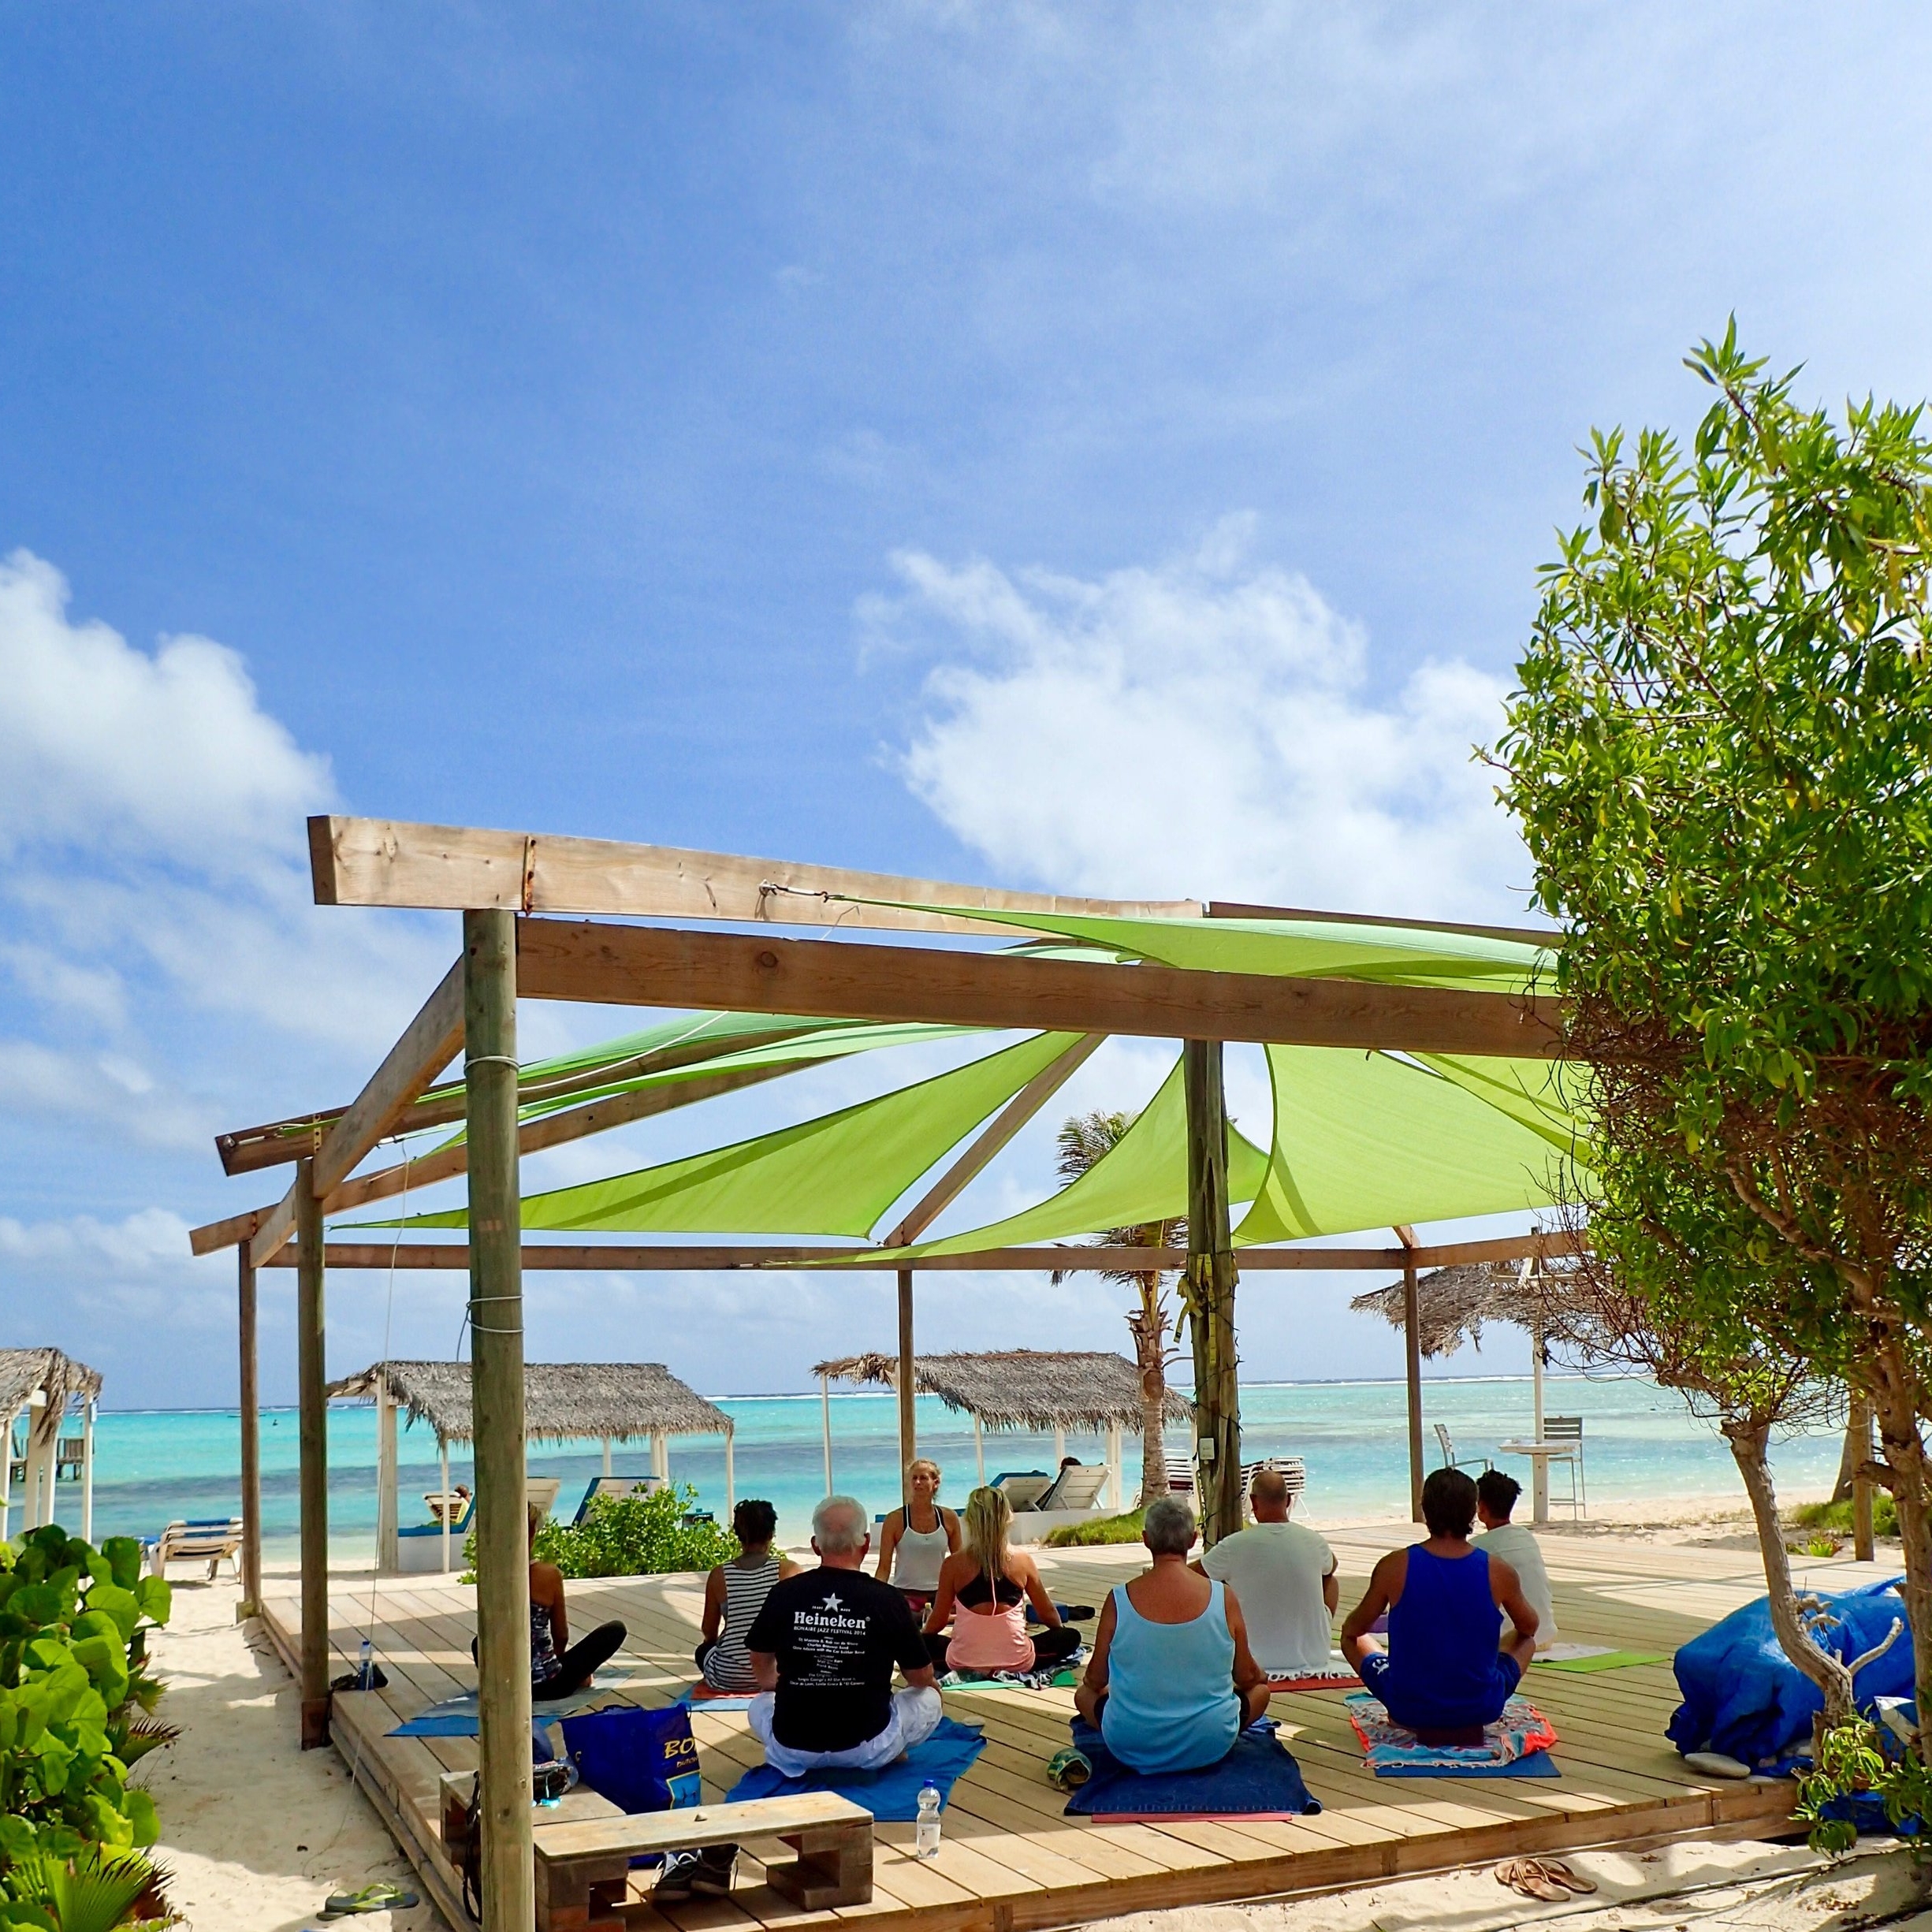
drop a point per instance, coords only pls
(1283, 1575)
(1495, 1497)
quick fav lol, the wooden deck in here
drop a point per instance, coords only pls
(1011, 1859)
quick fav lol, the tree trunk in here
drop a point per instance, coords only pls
(1854, 1452)
(1893, 1392)
(1748, 1444)
(1148, 1325)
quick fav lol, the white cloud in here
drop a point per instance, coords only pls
(106, 1090)
(1208, 726)
(107, 748)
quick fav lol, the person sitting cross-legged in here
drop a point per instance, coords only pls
(823, 1649)
(1495, 1498)
(1171, 1681)
(983, 1589)
(1284, 1575)
(1442, 1675)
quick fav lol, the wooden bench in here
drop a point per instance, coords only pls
(583, 1868)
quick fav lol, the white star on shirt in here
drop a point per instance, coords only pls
(835, 1601)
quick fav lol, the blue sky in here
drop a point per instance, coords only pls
(1102, 448)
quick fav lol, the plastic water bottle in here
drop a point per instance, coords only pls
(925, 1830)
(364, 1668)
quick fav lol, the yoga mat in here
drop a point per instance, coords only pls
(1347, 1681)
(1532, 1764)
(1258, 1778)
(891, 1793)
(1605, 1660)
(456, 1717)
(1390, 1750)
(715, 1700)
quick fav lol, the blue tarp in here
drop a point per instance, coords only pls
(1744, 1697)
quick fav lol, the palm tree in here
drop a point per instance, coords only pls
(1084, 1139)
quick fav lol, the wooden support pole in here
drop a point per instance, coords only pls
(908, 1391)
(388, 1554)
(496, 1380)
(87, 1470)
(825, 1417)
(1412, 1354)
(731, 1476)
(251, 1418)
(1208, 1286)
(310, 1377)
(1863, 1547)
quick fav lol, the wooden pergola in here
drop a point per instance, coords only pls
(538, 922)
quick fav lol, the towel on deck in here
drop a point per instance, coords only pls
(701, 1696)
(891, 1793)
(1584, 1657)
(1342, 1679)
(1258, 1778)
(1744, 1698)
(1517, 1745)
(457, 1717)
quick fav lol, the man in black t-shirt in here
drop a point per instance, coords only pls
(823, 1648)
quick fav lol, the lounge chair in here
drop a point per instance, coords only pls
(419, 1545)
(1291, 1469)
(210, 1538)
(1022, 1488)
(1449, 1452)
(1077, 1486)
(1180, 1476)
(540, 1492)
(618, 1487)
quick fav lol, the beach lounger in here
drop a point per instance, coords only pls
(419, 1545)
(540, 1492)
(209, 1539)
(619, 1486)
(1077, 1487)
(1291, 1469)
(437, 1501)
(1022, 1488)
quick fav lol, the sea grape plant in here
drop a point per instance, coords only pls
(76, 1696)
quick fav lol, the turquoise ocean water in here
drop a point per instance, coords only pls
(1640, 1445)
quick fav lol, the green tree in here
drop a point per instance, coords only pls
(1720, 754)
(1084, 1139)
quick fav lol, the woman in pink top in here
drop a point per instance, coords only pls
(984, 1587)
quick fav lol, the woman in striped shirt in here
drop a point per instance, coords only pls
(735, 1592)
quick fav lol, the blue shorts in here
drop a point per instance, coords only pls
(1418, 1711)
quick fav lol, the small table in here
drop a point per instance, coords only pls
(1541, 1455)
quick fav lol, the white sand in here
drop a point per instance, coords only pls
(257, 1832)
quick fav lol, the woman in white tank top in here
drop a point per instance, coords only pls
(910, 1555)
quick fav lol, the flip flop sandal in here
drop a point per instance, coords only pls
(378, 1897)
(1524, 1875)
(1068, 1769)
(1554, 1869)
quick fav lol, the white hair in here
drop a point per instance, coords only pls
(840, 1526)
(1168, 1527)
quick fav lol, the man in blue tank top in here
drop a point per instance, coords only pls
(1444, 1674)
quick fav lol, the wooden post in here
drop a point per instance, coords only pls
(310, 1375)
(979, 1452)
(1115, 1487)
(250, 1419)
(6, 1475)
(1412, 1352)
(907, 1390)
(388, 1555)
(508, 1886)
(442, 1450)
(731, 1476)
(86, 1471)
(1862, 1547)
(825, 1417)
(1208, 1286)
(607, 1455)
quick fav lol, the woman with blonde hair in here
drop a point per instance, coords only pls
(918, 1538)
(984, 1587)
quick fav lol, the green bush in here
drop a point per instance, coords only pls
(1106, 1529)
(1838, 1515)
(629, 1536)
(76, 1698)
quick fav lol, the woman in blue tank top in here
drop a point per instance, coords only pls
(1171, 1681)
(1445, 1674)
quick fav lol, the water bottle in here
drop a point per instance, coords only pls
(925, 1831)
(365, 1667)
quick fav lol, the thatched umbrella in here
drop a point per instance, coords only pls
(1015, 1389)
(563, 1402)
(44, 1382)
(1452, 1303)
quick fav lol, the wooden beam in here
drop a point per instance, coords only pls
(251, 1420)
(311, 1341)
(427, 1045)
(1067, 1259)
(236, 1229)
(380, 862)
(276, 1226)
(1412, 1367)
(1208, 1288)
(641, 966)
(1005, 1124)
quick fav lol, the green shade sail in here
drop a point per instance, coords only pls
(1143, 1179)
(837, 1174)
(1366, 1140)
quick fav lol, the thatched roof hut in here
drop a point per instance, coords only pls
(1454, 1303)
(1022, 1388)
(23, 1371)
(562, 1402)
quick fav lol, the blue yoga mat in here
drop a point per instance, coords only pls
(715, 1703)
(891, 1793)
(1259, 1775)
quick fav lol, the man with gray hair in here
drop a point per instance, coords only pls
(822, 1649)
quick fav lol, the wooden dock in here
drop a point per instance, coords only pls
(1010, 1860)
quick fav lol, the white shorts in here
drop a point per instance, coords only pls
(915, 1716)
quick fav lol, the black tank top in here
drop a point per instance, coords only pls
(1006, 1593)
